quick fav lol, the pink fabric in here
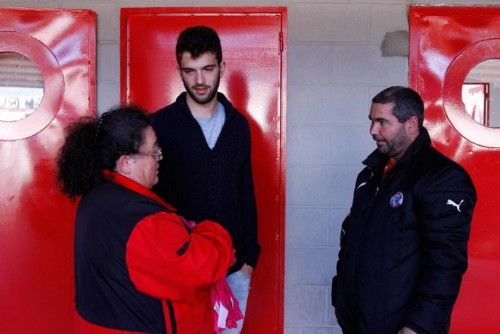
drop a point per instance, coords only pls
(223, 299)
(226, 307)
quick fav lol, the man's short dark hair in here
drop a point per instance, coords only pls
(197, 41)
(407, 103)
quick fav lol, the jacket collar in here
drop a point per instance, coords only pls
(228, 107)
(130, 184)
(377, 159)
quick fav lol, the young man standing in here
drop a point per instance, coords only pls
(206, 170)
(404, 244)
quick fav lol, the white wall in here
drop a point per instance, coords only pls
(334, 68)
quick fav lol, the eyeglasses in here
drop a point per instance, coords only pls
(157, 153)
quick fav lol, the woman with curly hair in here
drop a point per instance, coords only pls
(139, 267)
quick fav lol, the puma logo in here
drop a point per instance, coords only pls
(450, 202)
(360, 185)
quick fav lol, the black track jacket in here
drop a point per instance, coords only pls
(404, 244)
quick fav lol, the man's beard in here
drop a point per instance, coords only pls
(203, 100)
(394, 146)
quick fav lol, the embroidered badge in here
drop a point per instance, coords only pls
(396, 199)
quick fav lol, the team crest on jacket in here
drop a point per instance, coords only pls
(396, 199)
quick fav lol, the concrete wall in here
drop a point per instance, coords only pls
(335, 66)
(334, 69)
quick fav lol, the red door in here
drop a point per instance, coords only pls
(36, 221)
(445, 44)
(253, 48)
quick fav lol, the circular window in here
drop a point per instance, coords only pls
(32, 83)
(475, 117)
(21, 86)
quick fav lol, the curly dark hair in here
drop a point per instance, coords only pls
(94, 144)
(197, 41)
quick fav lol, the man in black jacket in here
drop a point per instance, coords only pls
(206, 171)
(404, 243)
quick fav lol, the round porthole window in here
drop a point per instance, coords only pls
(469, 93)
(21, 87)
(31, 86)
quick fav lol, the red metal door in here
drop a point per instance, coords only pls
(36, 221)
(445, 44)
(253, 48)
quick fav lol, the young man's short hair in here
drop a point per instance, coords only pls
(197, 41)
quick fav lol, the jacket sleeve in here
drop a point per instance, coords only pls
(250, 248)
(167, 261)
(343, 229)
(444, 206)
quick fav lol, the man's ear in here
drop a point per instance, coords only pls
(412, 125)
(123, 165)
(222, 67)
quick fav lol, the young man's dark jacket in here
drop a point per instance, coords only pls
(404, 244)
(204, 183)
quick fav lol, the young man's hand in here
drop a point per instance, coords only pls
(247, 270)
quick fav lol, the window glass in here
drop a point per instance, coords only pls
(21, 87)
(481, 93)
